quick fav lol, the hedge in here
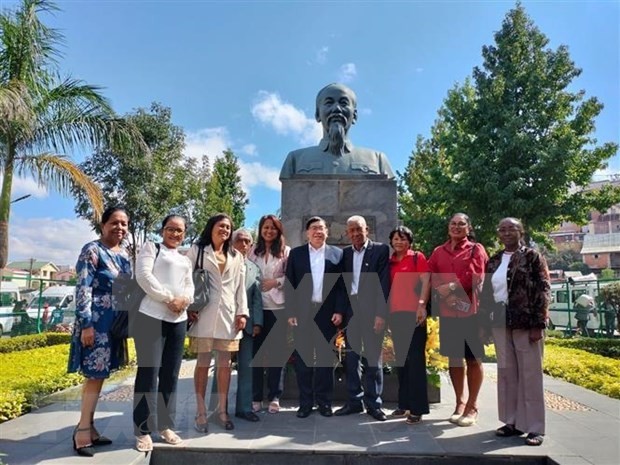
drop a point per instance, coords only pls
(33, 341)
(595, 372)
(29, 375)
(605, 347)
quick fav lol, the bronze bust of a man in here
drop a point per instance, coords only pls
(336, 110)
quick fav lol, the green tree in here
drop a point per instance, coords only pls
(512, 141)
(225, 193)
(149, 186)
(43, 116)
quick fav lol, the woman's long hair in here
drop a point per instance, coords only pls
(205, 237)
(277, 247)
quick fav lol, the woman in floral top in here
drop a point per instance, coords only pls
(516, 305)
(93, 352)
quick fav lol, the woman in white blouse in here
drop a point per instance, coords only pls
(219, 325)
(270, 254)
(166, 277)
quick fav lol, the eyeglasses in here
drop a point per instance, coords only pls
(172, 230)
(508, 230)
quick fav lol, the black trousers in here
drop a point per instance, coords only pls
(409, 348)
(315, 373)
(275, 374)
(159, 349)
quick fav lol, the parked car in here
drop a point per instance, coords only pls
(55, 306)
(9, 296)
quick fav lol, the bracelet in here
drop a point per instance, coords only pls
(421, 302)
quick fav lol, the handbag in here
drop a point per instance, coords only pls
(200, 277)
(129, 296)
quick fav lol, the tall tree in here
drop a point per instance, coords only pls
(43, 116)
(513, 141)
(149, 186)
(225, 193)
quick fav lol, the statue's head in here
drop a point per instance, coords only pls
(336, 110)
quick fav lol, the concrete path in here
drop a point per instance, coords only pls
(582, 428)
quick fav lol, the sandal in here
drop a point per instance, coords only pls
(534, 439)
(223, 420)
(413, 419)
(507, 431)
(144, 443)
(399, 412)
(201, 427)
(274, 406)
(170, 437)
(257, 407)
(85, 451)
(98, 440)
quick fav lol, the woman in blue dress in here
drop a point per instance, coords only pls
(93, 352)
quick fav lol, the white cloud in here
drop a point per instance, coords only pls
(208, 141)
(321, 55)
(347, 72)
(284, 118)
(27, 186)
(213, 141)
(256, 174)
(49, 239)
(249, 149)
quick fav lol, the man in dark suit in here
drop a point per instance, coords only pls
(367, 280)
(314, 303)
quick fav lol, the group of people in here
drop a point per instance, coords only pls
(258, 292)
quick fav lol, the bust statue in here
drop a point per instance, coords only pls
(336, 110)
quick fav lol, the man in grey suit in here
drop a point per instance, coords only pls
(242, 241)
(367, 280)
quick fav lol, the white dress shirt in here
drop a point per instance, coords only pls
(317, 265)
(499, 280)
(358, 259)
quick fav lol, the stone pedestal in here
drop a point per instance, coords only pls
(336, 198)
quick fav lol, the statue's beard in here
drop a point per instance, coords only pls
(335, 138)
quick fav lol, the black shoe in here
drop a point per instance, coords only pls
(223, 420)
(249, 416)
(304, 412)
(348, 409)
(326, 411)
(84, 451)
(377, 414)
(99, 440)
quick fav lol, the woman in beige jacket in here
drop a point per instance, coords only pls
(218, 325)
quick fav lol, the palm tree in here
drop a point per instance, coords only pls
(43, 116)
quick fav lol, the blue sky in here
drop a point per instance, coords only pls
(244, 75)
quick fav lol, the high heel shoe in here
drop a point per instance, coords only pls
(455, 417)
(85, 451)
(224, 422)
(99, 440)
(201, 427)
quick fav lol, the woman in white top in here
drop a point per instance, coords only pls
(219, 325)
(270, 254)
(160, 325)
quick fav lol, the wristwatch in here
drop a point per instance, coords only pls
(452, 286)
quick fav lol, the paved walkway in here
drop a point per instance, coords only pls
(582, 428)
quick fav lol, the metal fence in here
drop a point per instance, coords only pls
(49, 306)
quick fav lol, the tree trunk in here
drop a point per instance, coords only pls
(5, 205)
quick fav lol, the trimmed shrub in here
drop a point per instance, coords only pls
(604, 347)
(33, 341)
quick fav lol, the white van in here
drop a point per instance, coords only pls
(562, 307)
(9, 295)
(55, 298)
